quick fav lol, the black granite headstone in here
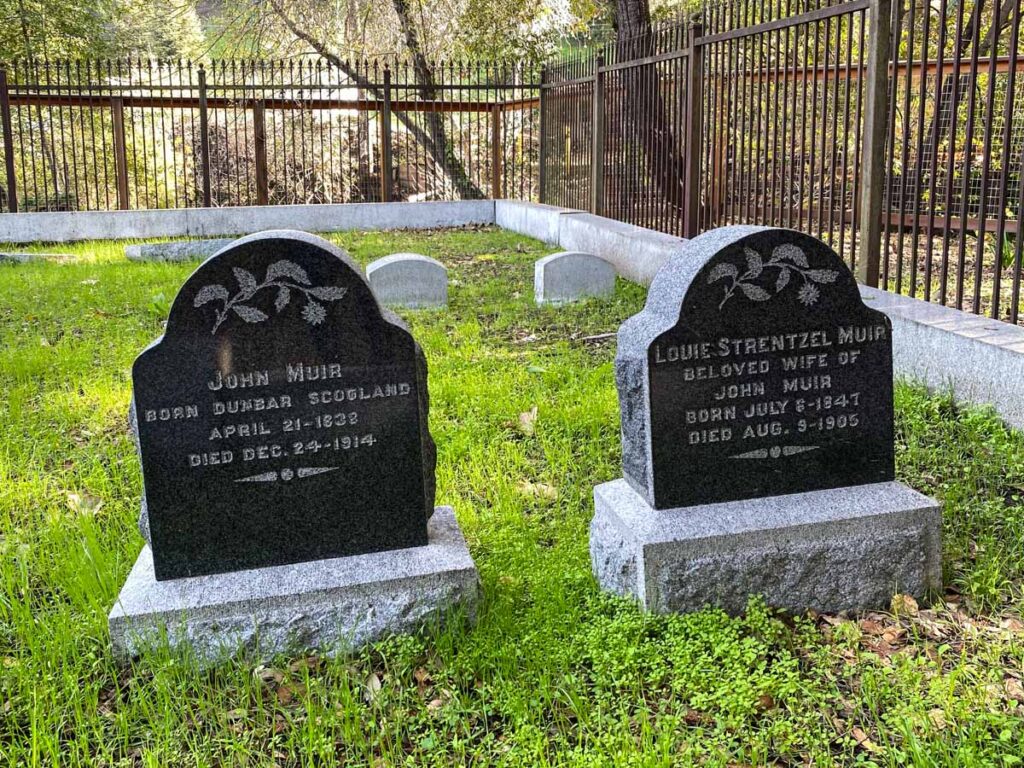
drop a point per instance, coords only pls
(282, 416)
(755, 369)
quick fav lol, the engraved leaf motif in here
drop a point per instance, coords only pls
(249, 314)
(783, 280)
(792, 253)
(328, 293)
(724, 269)
(210, 293)
(246, 281)
(285, 268)
(283, 297)
(754, 292)
(754, 263)
(823, 275)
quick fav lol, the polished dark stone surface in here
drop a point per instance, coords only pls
(754, 370)
(282, 416)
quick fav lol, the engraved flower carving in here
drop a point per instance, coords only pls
(314, 313)
(286, 277)
(786, 261)
(808, 294)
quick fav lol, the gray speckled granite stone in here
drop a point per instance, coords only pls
(978, 359)
(660, 313)
(327, 605)
(409, 280)
(570, 276)
(832, 550)
(19, 258)
(181, 250)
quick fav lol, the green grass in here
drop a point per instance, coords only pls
(554, 672)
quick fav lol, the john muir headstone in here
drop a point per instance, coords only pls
(282, 419)
(273, 414)
(756, 397)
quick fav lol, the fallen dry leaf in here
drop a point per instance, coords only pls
(1013, 689)
(269, 676)
(872, 627)
(84, 503)
(289, 691)
(863, 741)
(538, 490)
(893, 635)
(373, 687)
(307, 662)
(904, 605)
(527, 421)
(1012, 624)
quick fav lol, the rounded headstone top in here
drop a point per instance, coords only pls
(738, 273)
(396, 258)
(571, 255)
(260, 281)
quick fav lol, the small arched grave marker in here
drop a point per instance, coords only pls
(409, 280)
(570, 276)
(756, 397)
(281, 423)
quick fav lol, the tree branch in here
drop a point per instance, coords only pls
(433, 138)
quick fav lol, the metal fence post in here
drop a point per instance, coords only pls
(259, 127)
(204, 138)
(5, 126)
(693, 131)
(542, 158)
(386, 181)
(597, 140)
(873, 170)
(120, 153)
(497, 156)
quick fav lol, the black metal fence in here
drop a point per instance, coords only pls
(756, 111)
(94, 135)
(776, 112)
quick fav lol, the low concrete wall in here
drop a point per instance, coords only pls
(536, 220)
(636, 253)
(979, 359)
(217, 222)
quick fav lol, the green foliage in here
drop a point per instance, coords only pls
(554, 672)
(109, 28)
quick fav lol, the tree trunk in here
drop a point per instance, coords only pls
(428, 91)
(433, 139)
(648, 117)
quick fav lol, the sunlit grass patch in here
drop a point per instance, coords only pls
(525, 415)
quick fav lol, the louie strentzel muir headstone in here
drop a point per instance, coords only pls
(281, 423)
(757, 433)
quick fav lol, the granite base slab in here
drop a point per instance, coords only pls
(330, 606)
(841, 549)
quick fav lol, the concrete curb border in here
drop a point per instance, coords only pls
(979, 359)
(244, 220)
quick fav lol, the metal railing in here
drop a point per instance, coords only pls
(92, 135)
(892, 130)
